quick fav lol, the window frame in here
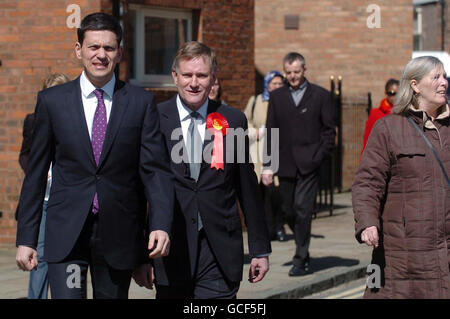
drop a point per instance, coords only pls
(138, 60)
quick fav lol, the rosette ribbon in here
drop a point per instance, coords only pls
(217, 125)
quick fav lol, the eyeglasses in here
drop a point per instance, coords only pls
(391, 93)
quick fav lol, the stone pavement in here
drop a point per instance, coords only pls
(336, 258)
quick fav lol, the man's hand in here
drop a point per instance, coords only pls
(26, 258)
(370, 236)
(144, 276)
(158, 244)
(258, 269)
(267, 178)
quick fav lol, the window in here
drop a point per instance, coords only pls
(418, 41)
(158, 33)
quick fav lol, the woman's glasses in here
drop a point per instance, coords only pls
(391, 93)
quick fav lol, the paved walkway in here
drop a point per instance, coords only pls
(336, 258)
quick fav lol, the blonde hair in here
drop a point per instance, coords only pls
(193, 49)
(416, 69)
(54, 79)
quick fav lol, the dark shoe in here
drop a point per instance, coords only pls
(298, 271)
(281, 235)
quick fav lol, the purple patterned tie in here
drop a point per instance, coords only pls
(98, 135)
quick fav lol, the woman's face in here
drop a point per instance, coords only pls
(275, 83)
(214, 90)
(391, 92)
(432, 89)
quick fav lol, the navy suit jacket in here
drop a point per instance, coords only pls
(215, 195)
(133, 168)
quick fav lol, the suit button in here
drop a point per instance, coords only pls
(97, 177)
(193, 220)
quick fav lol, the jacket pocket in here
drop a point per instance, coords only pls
(410, 152)
(411, 164)
(233, 223)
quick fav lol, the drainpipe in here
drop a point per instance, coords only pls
(116, 14)
(443, 25)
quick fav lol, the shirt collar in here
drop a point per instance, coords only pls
(185, 111)
(300, 88)
(88, 88)
(442, 113)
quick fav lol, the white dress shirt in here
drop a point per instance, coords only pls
(90, 100)
(184, 113)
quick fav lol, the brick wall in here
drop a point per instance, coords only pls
(447, 27)
(335, 40)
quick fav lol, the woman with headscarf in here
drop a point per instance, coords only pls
(256, 113)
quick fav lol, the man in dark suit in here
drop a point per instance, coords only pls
(303, 113)
(206, 259)
(108, 157)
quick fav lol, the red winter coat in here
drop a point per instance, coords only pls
(375, 114)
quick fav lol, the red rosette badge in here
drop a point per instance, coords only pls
(217, 125)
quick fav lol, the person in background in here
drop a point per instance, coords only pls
(390, 89)
(401, 189)
(38, 284)
(216, 92)
(304, 116)
(256, 113)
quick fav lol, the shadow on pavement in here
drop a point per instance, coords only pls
(321, 263)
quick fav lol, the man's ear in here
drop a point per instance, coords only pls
(78, 50)
(174, 77)
(119, 54)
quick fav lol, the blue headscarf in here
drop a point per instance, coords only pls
(269, 77)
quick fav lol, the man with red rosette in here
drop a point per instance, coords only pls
(207, 255)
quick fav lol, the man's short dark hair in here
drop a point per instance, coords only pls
(390, 83)
(293, 56)
(99, 21)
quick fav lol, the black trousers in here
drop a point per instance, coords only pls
(208, 282)
(68, 279)
(298, 196)
(272, 206)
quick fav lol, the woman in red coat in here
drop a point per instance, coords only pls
(384, 109)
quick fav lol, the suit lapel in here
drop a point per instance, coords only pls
(305, 97)
(172, 118)
(80, 117)
(118, 108)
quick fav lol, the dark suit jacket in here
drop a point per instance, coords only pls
(27, 133)
(306, 132)
(215, 195)
(133, 166)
